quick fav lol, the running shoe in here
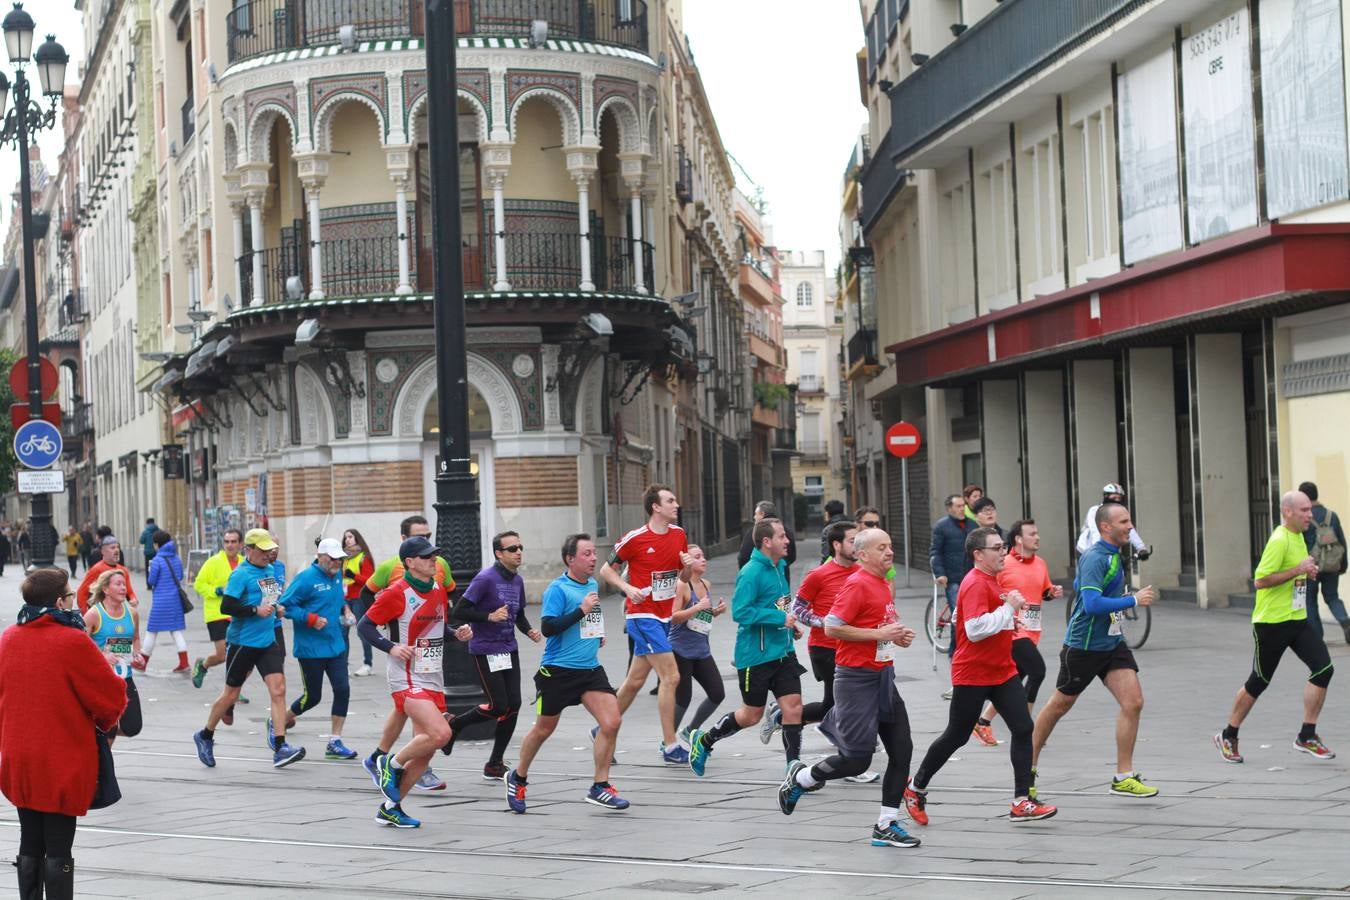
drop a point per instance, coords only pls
(915, 803)
(947, 694)
(372, 766)
(605, 795)
(430, 781)
(698, 752)
(227, 717)
(198, 673)
(396, 817)
(1132, 786)
(772, 721)
(287, 754)
(684, 735)
(986, 735)
(1228, 749)
(674, 756)
(387, 777)
(893, 836)
(789, 792)
(1314, 747)
(338, 750)
(1031, 789)
(864, 778)
(270, 735)
(362, 672)
(515, 791)
(494, 771)
(1029, 810)
(206, 749)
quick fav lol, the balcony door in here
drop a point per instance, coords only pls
(471, 221)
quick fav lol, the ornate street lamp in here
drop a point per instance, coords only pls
(25, 118)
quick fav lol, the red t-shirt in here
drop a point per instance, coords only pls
(986, 662)
(653, 567)
(820, 587)
(1030, 578)
(863, 601)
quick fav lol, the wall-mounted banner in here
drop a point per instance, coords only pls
(1150, 180)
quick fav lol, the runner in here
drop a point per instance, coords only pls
(1094, 647)
(1280, 623)
(385, 574)
(116, 629)
(865, 629)
(691, 621)
(251, 600)
(570, 674)
(657, 555)
(983, 670)
(356, 571)
(415, 609)
(314, 601)
(765, 661)
(210, 586)
(111, 551)
(494, 603)
(1025, 572)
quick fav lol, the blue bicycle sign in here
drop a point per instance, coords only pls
(37, 444)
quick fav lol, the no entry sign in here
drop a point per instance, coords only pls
(902, 440)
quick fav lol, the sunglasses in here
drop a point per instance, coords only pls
(514, 548)
(875, 523)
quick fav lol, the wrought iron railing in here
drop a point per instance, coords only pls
(538, 262)
(862, 347)
(612, 264)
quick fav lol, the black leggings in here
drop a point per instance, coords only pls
(1030, 665)
(895, 737)
(502, 689)
(967, 702)
(822, 664)
(130, 723)
(705, 672)
(45, 834)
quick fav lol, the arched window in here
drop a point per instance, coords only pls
(804, 294)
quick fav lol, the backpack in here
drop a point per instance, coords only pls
(1327, 550)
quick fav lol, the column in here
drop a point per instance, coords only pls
(237, 221)
(312, 188)
(584, 225)
(498, 182)
(633, 168)
(1043, 403)
(1151, 442)
(1000, 428)
(1093, 429)
(401, 210)
(255, 205)
(639, 282)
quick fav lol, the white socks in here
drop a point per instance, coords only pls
(888, 815)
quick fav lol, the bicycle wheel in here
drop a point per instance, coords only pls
(939, 632)
(1139, 623)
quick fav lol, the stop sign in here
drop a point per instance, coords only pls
(902, 440)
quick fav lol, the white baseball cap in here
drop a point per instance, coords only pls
(332, 547)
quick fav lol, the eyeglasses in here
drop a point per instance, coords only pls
(995, 548)
(875, 523)
(514, 548)
(67, 595)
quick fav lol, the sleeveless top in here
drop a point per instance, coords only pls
(115, 636)
(689, 638)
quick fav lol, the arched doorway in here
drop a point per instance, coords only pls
(480, 463)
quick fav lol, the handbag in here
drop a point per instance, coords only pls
(182, 594)
(106, 790)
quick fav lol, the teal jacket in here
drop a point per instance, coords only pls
(759, 607)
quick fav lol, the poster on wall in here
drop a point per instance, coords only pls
(1303, 104)
(1216, 90)
(1150, 180)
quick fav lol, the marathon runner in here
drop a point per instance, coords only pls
(691, 621)
(865, 629)
(764, 659)
(1280, 623)
(494, 603)
(314, 601)
(1025, 572)
(111, 552)
(983, 670)
(415, 609)
(657, 556)
(116, 629)
(210, 587)
(1094, 647)
(570, 674)
(251, 600)
(385, 574)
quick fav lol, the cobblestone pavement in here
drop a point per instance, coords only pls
(1275, 826)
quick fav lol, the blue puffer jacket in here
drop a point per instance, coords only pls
(315, 592)
(166, 609)
(947, 553)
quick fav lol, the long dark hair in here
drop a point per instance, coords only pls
(360, 542)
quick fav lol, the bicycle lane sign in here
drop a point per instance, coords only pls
(37, 444)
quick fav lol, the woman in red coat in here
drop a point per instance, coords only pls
(48, 758)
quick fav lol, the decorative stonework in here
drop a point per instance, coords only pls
(529, 388)
(386, 370)
(489, 380)
(261, 106)
(519, 81)
(369, 89)
(473, 85)
(523, 365)
(381, 397)
(1323, 375)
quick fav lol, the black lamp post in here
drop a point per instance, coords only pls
(25, 117)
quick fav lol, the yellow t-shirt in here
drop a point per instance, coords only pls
(1283, 602)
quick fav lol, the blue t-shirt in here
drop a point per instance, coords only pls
(569, 650)
(1100, 595)
(250, 584)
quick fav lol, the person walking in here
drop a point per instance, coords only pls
(147, 542)
(210, 587)
(6, 548)
(87, 544)
(357, 568)
(56, 688)
(947, 558)
(71, 541)
(25, 543)
(165, 579)
(1326, 545)
(116, 630)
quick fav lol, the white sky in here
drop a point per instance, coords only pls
(780, 75)
(783, 83)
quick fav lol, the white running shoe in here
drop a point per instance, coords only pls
(361, 672)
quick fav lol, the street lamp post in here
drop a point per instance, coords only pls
(25, 117)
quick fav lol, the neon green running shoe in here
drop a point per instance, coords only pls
(1133, 786)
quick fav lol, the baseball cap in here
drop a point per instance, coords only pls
(417, 546)
(332, 547)
(260, 538)
(109, 541)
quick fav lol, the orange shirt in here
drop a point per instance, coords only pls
(1030, 578)
(87, 584)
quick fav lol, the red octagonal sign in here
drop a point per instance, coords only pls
(902, 440)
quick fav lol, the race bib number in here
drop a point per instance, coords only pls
(118, 646)
(1031, 618)
(701, 623)
(593, 625)
(271, 591)
(1300, 598)
(663, 585)
(885, 651)
(427, 655)
(1116, 619)
(498, 662)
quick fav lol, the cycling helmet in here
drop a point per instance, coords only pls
(1112, 488)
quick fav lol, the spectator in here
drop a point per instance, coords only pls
(71, 541)
(5, 548)
(970, 493)
(766, 510)
(25, 547)
(87, 544)
(1326, 545)
(986, 515)
(947, 553)
(166, 607)
(147, 542)
(834, 512)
